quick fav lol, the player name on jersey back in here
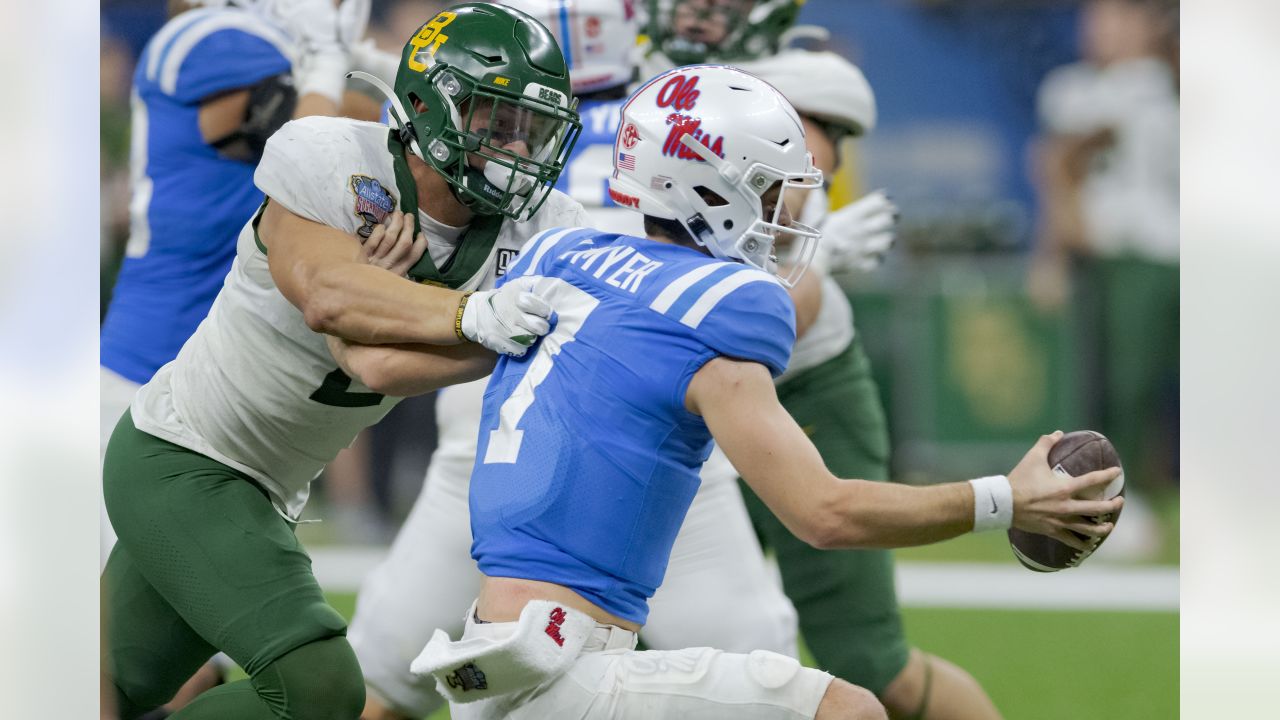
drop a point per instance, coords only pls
(607, 264)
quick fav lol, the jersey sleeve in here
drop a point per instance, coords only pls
(747, 316)
(219, 54)
(291, 171)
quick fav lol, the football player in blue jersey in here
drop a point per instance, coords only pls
(718, 590)
(590, 445)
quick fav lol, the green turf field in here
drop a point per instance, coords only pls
(1041, 665)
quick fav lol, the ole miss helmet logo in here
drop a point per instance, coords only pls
(630, 136)
(679, 93)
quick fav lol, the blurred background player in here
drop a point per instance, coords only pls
(1107, 178)
(718, 590)
(207, 474)
(846, 600)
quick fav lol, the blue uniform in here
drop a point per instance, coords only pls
(188, 203)
(587, 457)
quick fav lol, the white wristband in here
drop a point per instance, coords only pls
(992, 503)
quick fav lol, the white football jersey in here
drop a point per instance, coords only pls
(255, 388)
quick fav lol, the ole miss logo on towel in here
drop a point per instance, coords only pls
(553, 627)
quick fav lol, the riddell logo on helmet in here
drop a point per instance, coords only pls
(679, 93)
(624, 200)
(630, 136)
(553, 627)
(682, 125)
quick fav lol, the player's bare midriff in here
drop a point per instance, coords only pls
(502, 599)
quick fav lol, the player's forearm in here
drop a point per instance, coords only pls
(369, 305)
(862, 514)
(409, 370)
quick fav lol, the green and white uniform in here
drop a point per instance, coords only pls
(221, 446)
(255, 388)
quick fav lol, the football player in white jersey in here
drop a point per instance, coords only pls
(208, 473)
(718, 590)
(846, 600)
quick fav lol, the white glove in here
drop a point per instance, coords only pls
(508, 319)
(858, 235)
(323, 60)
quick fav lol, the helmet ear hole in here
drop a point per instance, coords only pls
(710, 197)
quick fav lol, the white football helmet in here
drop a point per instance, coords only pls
(597, 37)
(700, 145)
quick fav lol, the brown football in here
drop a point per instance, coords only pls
(1075, 454)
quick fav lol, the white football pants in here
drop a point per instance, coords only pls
(718, 591)
(607, 682)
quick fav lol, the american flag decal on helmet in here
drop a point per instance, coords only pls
(626, 162)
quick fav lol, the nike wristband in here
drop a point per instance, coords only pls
(992, 503)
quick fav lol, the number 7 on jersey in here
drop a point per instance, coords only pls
(572, 306)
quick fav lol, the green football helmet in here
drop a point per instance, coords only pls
(690, 32)
(483, 97)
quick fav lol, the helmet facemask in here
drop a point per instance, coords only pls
(489, 110)
(738, 200)
(690, 32)
(500, 151)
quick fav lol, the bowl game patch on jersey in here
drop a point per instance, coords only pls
(373, 202)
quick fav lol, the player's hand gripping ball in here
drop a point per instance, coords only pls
(1075, 454)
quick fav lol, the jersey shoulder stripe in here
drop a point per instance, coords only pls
(163, 39)
(534, 248)
(187, 40)
(700, 288)
(672, 292)
(712, 297)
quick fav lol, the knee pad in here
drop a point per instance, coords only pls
(318, 681)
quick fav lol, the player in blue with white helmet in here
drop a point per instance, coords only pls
(589, 448)
(718, 591)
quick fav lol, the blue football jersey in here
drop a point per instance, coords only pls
(188, 203)
(587, 459)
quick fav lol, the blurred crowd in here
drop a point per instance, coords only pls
(1078, 304)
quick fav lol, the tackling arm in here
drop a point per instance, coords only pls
(405, 370)
(737, 401)
(322, 271)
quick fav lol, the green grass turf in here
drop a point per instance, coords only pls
(1043, 665)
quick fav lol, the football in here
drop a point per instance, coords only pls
(1075, 454)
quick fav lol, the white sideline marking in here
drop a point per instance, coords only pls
(952, 585)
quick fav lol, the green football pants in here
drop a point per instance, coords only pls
(845, 599)
(205, 563)
(1139, 324)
